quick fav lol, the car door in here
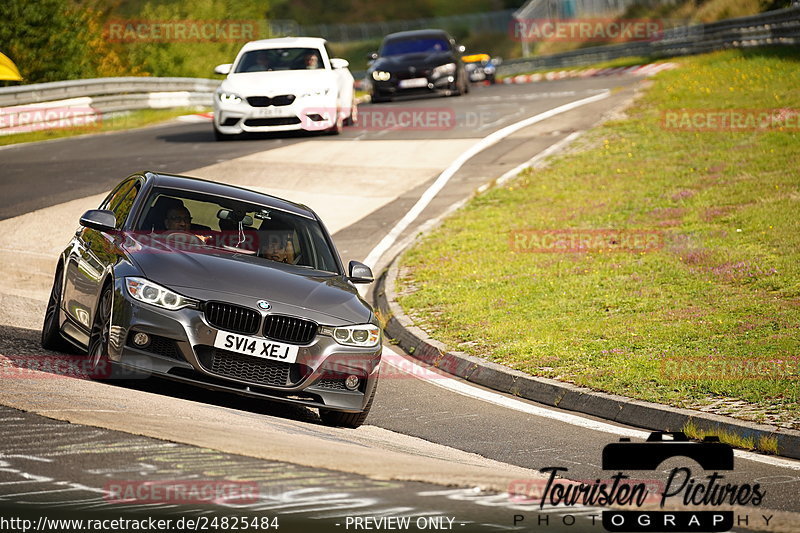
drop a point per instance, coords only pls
(92, 254)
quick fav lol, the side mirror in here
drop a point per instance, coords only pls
(360, 273)
(461, 48)
(372, 56)
(99, 219)
(339, 63)
(223, 69)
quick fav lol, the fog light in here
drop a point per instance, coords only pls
(141, 339)
(351, 382)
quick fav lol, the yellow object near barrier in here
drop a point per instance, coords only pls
(474, 58)
(8, 70)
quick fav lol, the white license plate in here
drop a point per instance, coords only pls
(413, 82)
(271, 112)
(255, 346)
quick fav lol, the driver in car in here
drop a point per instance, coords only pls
(178, 219)
(279, 247)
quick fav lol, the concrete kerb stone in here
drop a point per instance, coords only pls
(621, 409)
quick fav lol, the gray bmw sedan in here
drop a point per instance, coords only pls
(221, 287)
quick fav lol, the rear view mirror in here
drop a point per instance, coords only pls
(360, 273)
(235, 216)
(99, 219)
(223, 69)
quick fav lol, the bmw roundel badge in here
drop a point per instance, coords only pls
(263, 304)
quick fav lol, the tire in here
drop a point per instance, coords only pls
(338, 126)
(347, 420)
(51, 334)
(219, 136)
(99, 364)
(353, 118)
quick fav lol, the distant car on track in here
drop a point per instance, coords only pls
(416, 62)
(285, 84)
(220, 287)
(481, 67)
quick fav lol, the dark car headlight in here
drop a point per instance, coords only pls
(151, 293)
(362, 335)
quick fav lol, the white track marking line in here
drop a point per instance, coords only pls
(532, 161)
(450, 171)
(466, 389)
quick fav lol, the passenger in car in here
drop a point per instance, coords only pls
(312, 60)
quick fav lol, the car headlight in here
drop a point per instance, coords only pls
(445, 70)
(151, 293)
(363, 335)
(229, 98)
(381, 75)
(315, 92)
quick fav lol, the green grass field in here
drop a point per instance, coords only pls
(721, 297)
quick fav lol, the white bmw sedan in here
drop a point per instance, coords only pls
(284, 84)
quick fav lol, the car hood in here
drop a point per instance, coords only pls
(273, 83)
(214, 274)
(419, 61)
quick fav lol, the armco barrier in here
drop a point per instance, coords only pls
(779, 27)
(103, 96)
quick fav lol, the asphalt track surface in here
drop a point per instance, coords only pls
(51, 467)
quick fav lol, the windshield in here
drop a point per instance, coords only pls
(424, 45)
(280, 59)
(202, 223)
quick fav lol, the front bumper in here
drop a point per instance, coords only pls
(182, 349)
(392, 87)
(303, 114)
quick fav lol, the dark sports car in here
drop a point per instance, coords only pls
(221, 287)
(416, 62)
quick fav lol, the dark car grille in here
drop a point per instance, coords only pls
(249, 368)
(289, 329)
(278, 121)
(232, 317)
(265, 101)
(335, 384)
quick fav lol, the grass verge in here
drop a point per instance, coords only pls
(134, 119)
(711, 320)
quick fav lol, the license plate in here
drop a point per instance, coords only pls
(271, 112)
(255, 346)
(413, 82)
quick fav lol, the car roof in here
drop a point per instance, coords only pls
(283, 42)
(188, 183)
(417, 33)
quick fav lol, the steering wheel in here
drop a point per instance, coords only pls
(182, 238)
